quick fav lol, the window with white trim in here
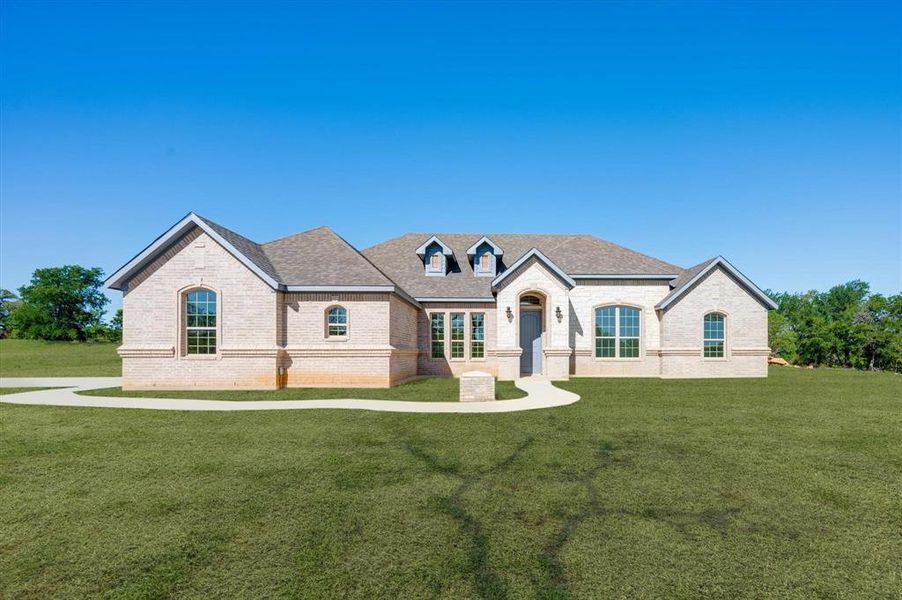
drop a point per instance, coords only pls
(437, 335)
(337, 322)
(617, 332)
(458, 329)
(200, 322)
(713, 339)
(477, 335)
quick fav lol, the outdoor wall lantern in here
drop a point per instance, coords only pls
(510, 314)
(558, 314)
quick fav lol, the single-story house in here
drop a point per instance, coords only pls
(206, 308)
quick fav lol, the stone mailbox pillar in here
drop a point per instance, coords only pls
(477, 386)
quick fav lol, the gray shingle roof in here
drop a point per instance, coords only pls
(315, 257)
(321, 257)
(685, 277)
(252, 250)
(575, 254)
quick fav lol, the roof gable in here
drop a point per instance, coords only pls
(246, 251)
(690, 276)
(496, 249)
(446, 250)
(533, 253)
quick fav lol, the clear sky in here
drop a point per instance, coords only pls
(768, 133)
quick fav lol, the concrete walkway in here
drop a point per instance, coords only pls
(541, 394)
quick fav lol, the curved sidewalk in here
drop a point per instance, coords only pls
(540, 394)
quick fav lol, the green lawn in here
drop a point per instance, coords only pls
(33, 358)
(430, 389)
(784, 487)
(16, 390)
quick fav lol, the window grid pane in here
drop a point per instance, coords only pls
(713, 337)
(337, 321)
(437, 335)
(604, 347)
(605, 330)
(200, 322)
(477, 335)
(617, 332)
(201, 341)
(629, 322)
(629, 347)
(713, 349)
(457, 335)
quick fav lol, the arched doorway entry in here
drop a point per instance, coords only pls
(531, 329)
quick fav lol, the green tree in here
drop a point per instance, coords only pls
(846, 326)
(60, 303)
(116, 326)
(8, 302)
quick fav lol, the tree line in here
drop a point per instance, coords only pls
(846, 326)
(60, 303)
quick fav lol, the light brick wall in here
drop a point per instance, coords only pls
(641, 294)
(403, 338)
(446, 367)
(364, 358)
(746, 348)
(153, 337)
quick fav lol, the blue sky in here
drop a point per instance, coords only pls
(769, 133)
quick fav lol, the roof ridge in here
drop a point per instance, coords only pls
(291, 235)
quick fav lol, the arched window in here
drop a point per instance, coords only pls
(200, 322)
(337, 322)
(713, 340)
(530, 301)
(617, 332)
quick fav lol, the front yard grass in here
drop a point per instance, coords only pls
(17, 390)
(34, 358)
(428, 389)
(780, 487)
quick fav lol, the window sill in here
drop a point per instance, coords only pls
(617, 359)
(336, 338)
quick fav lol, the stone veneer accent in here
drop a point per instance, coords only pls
(477, 386)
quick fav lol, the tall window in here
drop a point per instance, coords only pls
(477, 335)
(200, 313)
(437, 335)
(485, 261)
(337, 322)
(436, 262)
(617, 332)
(713, 341)
(458, 321)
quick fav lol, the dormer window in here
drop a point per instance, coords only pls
(485, 255)
(436, 256)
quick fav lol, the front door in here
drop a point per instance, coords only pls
(531, 341)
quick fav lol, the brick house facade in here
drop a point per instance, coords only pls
(205, 308)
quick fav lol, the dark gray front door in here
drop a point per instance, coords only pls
(531, 341)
